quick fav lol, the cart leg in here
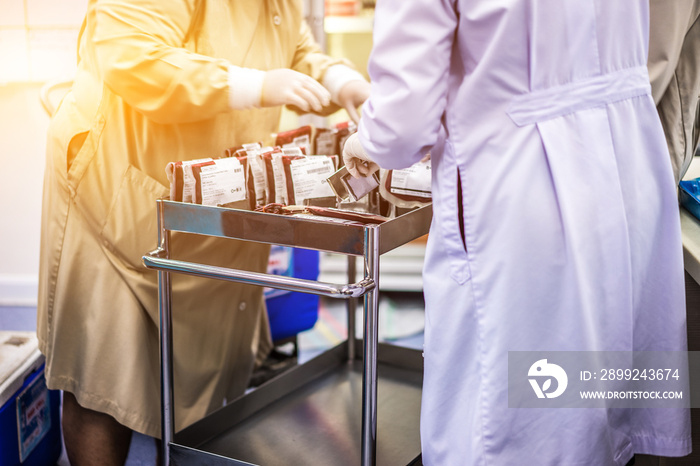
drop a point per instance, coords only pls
(167, 415)
(352, 307)
(166, 365)
(371, 335)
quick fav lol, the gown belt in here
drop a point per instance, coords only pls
(556, 101)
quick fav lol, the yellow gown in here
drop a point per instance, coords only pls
(143, 96)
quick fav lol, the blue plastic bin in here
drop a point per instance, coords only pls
(30, 431)
(689, 192)
(290, 312)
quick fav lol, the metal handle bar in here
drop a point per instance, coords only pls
(154, 260)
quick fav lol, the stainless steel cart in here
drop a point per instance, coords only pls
(310, 414)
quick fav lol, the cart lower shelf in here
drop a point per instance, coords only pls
(311, 415)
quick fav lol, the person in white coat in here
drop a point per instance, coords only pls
(556, 226)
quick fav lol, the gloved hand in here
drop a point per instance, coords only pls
(352, 95)
(358, 163)
(288, 87)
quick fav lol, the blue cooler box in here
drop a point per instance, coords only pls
(291, 312)
(689, 192)
(30, 431)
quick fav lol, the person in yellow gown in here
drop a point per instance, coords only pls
(674, 71)
(160, 81)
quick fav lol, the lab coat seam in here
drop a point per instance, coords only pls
(630, 262)
(596, 50)
(455, 247)
(658, 437)
(660, 446)
(685, 442)
(478, 303)
(681, 138)
(53, 279)
(468, 258)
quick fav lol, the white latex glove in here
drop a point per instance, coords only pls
(352, 95)
(358, 163)
(348, 88)
(288, 87)
(250, 88)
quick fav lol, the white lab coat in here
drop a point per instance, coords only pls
(571, 224)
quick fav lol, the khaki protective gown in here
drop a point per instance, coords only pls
(140, 100)
(674, 71)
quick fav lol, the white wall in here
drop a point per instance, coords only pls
(23, 125)
(37, 44)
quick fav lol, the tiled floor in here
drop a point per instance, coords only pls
(18, 318)
(401, 319)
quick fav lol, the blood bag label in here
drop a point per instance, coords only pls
(412, 181)
(223, 182)
(309, 175)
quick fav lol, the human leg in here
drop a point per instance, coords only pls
(91, 437)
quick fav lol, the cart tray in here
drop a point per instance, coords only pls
(286, 230)
(312, 415)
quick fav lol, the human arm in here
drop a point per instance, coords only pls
(669, 23)
(141, 56)
(347, 87)
(674, 48)
(409, 70)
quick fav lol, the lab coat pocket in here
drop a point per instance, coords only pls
(67, 135)
(455, 247)
(130, 229)
(449, 214)
(80, 152)
(76, 143)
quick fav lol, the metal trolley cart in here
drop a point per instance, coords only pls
(310, 414)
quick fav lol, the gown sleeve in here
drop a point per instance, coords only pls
(670, 22)
(310, 59)
(140, 54)
(409, 69)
